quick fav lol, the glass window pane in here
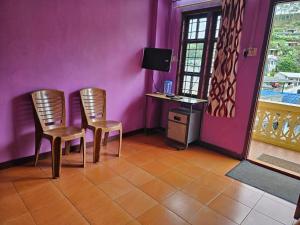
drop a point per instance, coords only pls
(218, 26)
(202, 28)
(193, 58)
(192, 29)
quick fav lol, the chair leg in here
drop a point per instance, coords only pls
(38, 142)
(53, 157)
(120, 142)
(67, 147)
(80, 146)
(56, 157)
(83, 146)
(97, 145)
(105, 138)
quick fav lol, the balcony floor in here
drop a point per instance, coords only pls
(258, 148)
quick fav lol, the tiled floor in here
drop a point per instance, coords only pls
(257, 148)
(150, 184)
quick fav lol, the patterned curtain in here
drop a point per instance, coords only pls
(223, 82)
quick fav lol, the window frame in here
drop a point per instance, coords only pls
(211, 14)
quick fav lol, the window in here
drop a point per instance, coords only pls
(199, 40)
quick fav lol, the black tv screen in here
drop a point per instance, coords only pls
(157, 59)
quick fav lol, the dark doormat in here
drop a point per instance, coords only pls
(274, 183)
(295, 167)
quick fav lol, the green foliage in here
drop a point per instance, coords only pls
(288, 64)
(289, 61)
(288, 57)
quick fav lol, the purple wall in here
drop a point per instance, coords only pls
(229, 134)
(68, 45)
(71, 44)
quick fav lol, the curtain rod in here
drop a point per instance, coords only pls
(196, 3)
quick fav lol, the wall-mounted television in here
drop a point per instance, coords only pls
(157, 59)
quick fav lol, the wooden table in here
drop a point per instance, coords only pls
(178, 98)
(187, 102)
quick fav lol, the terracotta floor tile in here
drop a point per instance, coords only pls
(10, 207)
(239, 184)
(136, 202)
(21, 173)
(243, 194)
(41, 197)
(128, 149)
(160, 215)
(140, 158)
(206, 216)
(120, 165)
(204, 194)
(176, 179)
(7, 189)
(69, 217)
(88, 198)
(155, 168)
(58, 213)
(275, 210)
(138, 176)
(107, 213)
(170, 161)
(99, 174)
(25, 219)
(203, 163)
(230, 208)
(158, 189)
(224, 166)
(69, 185)
(280, 200)
(214, 182)
(183, 205)
(133, 222)
(191, 170)
(256, 218)
(27, 178)
(116, 187)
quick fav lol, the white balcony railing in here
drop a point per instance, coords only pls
(278, 124)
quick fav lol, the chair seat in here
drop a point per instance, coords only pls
(66, 133)
(106, 125)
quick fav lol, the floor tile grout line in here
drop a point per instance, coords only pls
(268, 216)
(28, 211)
(14, 218)
(68, 200)
(252, 208)
(66, 197)
(113, 200)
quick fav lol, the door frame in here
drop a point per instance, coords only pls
(259, 78)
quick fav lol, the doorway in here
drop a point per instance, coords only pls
(275, 135)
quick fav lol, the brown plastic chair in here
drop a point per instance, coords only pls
(93, 102)
(50, 123)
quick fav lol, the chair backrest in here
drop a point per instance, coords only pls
(49, 107)
(93, 101)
